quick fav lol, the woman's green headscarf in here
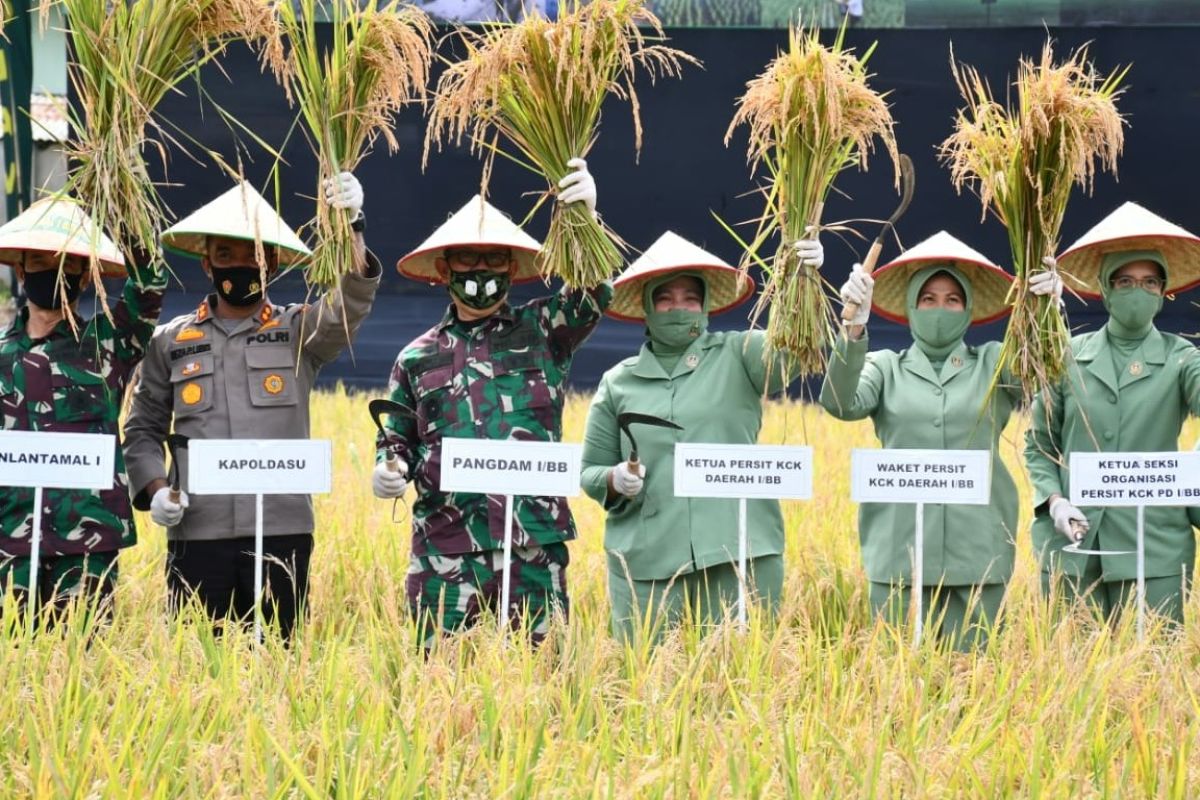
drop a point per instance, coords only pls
(1131, 312)
(938, 331)
(672, 332)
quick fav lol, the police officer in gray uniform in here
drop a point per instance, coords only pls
(241, 367)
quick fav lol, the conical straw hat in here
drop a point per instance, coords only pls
(477, 224)
(989, 283)
(59, 225)
(1132, 227)
(726, 286)
(240, 213)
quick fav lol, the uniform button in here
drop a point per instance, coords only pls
(937, 423)
(1112, 398)
(937, 392)
(1108, 435)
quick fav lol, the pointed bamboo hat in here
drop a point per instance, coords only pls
(477, 224)
(1132, 227)
(59, 225)
(240, 213)
(989, 283)
(726, 286)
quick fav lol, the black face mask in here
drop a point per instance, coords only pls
(238, 286)
(480, 288)
(42, 288)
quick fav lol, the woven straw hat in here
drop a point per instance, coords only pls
(477, 224)
(240, 213)
(1132, 227)
(989, 283)
(726, 286)
(59, 225)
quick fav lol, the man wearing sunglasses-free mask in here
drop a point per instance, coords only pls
(487, 370)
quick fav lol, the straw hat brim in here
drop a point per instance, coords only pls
(989, 288)
(727, 288)
(109, 268)
(421, 264)
(1182, 254)
(193, 244)
(59, 226)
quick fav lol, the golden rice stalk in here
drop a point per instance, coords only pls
(540, 85)
(810, 115)
(349, 94)
(126, 56)
(1023, 162)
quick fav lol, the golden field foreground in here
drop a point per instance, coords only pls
(821, 703)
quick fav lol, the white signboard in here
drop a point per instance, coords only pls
(743, 471)
(259, 466)
(57, 460)
(511, 467)
(950, 477)
(1135, 479)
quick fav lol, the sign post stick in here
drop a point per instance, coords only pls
(741, 609)
(506, 577)
(918, 576)
(258, 568)
(1141, 573)
(35, 552)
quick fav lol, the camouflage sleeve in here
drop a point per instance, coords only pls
(329, 325)
(401, 431)
(147, 425)
(570, 316)
(136, 313)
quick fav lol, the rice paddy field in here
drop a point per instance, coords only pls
(821, 702)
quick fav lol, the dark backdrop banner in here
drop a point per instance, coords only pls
(686, 174)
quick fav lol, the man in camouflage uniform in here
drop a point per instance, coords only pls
(241, 367)
(55, 379)
(488, 371)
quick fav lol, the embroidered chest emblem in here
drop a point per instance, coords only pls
(189, 335)
(693, 360)
(191, 394)
(1136, 368)
(273, 384)
(191, 369)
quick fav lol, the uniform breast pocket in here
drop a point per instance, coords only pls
(521, 383)
(192, 379)
(436, 409)
(82, 397)
(272, 375)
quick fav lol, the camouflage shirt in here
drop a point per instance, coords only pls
(500, 378)
(63, 384)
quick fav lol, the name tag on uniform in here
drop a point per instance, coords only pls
(949, 477)
(57, 460)
(259, 466)
(762, 472)
(511, 467)
(1135, 479)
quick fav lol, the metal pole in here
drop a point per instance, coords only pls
(35, 552)
(741, 607)
(1141, 572)
(505, 578)
(258, 567)
(918, 575)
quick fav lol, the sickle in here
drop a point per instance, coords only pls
(624, 420)
(377, 408)
(908, 184)
(175, 443)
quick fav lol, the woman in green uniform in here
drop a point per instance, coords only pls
(1129, 388)
(932, 396)
(668, 553)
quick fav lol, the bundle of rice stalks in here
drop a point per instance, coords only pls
(127, 55)
(811, 115)
(1023, 163)
(540, 85)
(349, 94)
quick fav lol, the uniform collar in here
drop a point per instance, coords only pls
(266, 318)
(1094, 355)
(916, 362)
(648, 365)
(502, 314)
(17, 328)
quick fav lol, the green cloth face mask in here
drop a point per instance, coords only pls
(675, 330)
(938, 331)
(480, 288)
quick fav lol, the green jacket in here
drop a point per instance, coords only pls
(915, 408)
(1094, 410)
(716, 394)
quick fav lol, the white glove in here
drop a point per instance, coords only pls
(164, 511)
(1047, 283)
(346, 192)
(1068, 519)
(858, 290)
(625, 482)
(579, 186)
(811, 252)
(387, 484)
